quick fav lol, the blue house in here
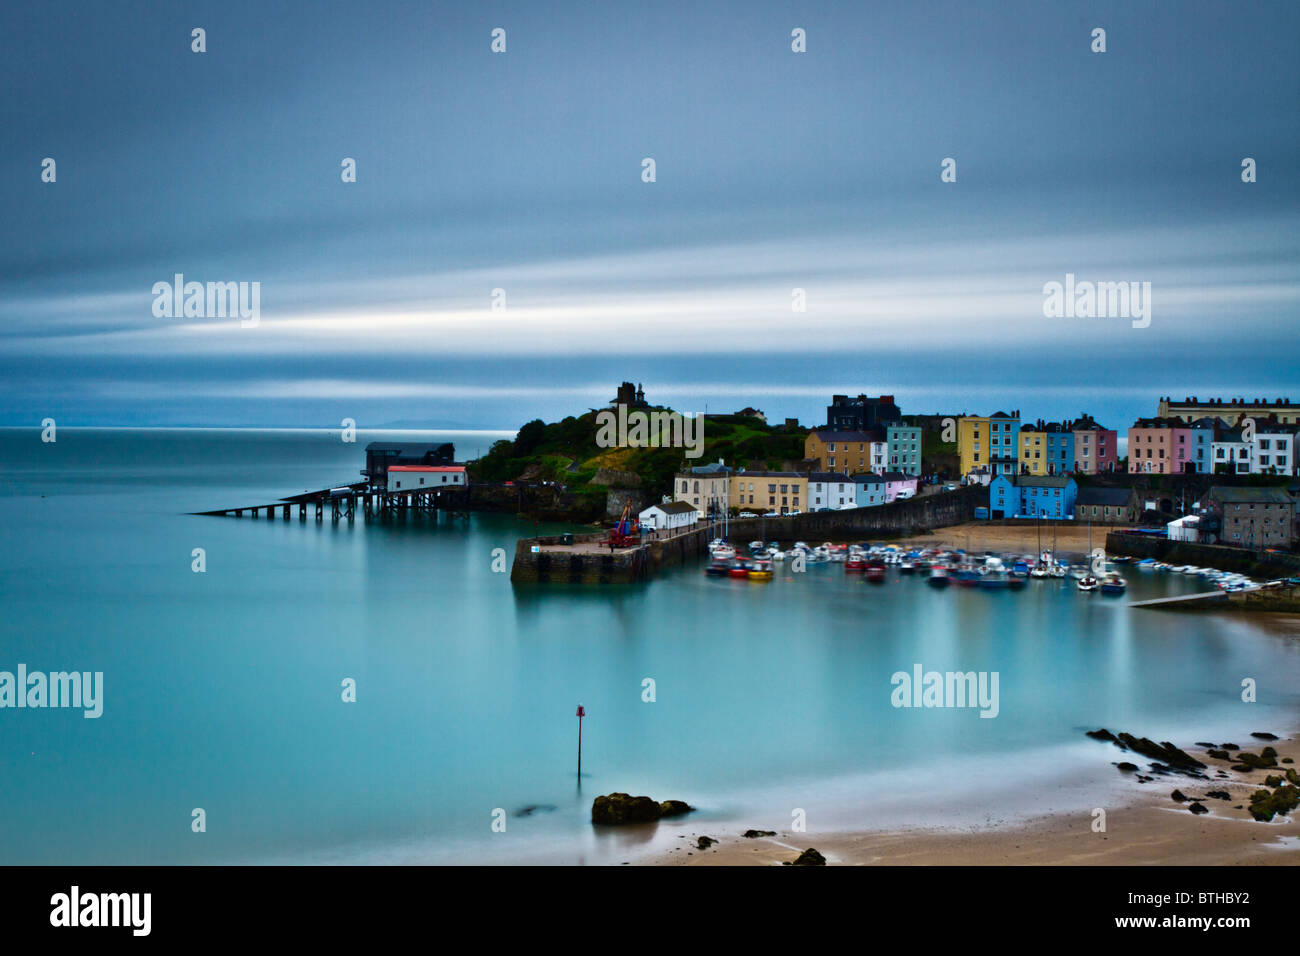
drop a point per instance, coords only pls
(870, 490)
(1032, 496)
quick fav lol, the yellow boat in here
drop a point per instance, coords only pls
(761, 571)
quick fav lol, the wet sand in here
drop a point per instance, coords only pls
(1150, 830)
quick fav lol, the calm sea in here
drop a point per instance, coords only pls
(222, 689)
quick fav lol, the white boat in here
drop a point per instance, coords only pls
(1087, 583)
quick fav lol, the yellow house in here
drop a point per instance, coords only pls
(991, 442)
(764, 491)
(1033, 452)
(972, 442)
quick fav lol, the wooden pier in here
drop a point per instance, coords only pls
(343, 504)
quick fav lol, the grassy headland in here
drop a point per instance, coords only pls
(566, 453)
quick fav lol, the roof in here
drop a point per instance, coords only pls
(1094, 495)
(1042, 481)
(1231, 495)
(868, 478)
(408, 447)
(898, 476)
(828, 435)
(426, 468)
(672, 507)
(828, 476)
(712, 468)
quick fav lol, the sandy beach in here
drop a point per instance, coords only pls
(1150, 830)
(978, 536)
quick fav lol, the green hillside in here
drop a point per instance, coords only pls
(566, 452)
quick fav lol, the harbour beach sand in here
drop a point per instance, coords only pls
(978, 536)
(1150, 830)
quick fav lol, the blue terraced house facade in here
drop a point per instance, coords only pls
(1033, 496)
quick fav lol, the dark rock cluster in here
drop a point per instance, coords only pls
(620, 808)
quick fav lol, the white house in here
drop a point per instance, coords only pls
(408, 477)
(1185, 528)
(1232, 452)
(1273, 451)
(668, 515)
(879, 456)
(831, 490)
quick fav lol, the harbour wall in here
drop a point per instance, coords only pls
(1257, 564)
(553, 564)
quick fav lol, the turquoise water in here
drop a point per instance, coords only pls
(222, 689)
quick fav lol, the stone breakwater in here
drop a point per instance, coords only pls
(583, 562)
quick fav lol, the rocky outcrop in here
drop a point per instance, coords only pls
(809, 857)
(755, 834)
(1168, 757)
(620, 808)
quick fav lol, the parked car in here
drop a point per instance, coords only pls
(748, 514)
(949, 487)
(905, 493)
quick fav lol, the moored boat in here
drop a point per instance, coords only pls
(939, 577)
(1113, 584)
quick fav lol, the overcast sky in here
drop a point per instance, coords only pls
(522, 171)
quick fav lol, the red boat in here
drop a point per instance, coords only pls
(739, 570)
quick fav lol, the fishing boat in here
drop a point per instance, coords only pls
(906, 566)
(723, 552)
(1113, 584)
(939, 577)
(739, 569)
(856, 564)
(968, 578)
(760, 571)
(718, 569)
(874, 573)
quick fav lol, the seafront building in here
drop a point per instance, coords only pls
(1032, 496)
(1096, 448)
(380, 455)
(904, 443)
(870, 489)
(991, 441)
(1159, 446)
(1231, 410)
(409, 477)
(1251, 517)
(668, 516)
(831, 491)
(769, 491)
(898, 485)
(1107, 505)
(1046, 448)
(847, 451)
(862, 413)
(705, 487)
